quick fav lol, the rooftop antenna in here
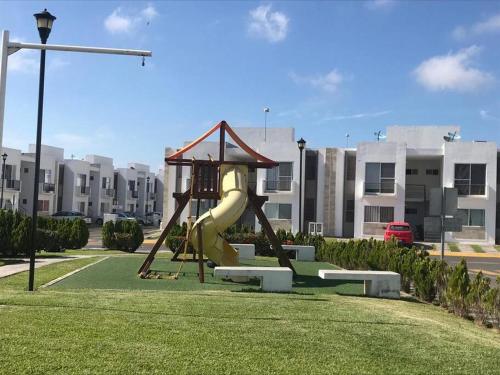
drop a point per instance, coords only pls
(72, 156)
(451, 137)
(266, 111)
(347, 140)
(379, 135)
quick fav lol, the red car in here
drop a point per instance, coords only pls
(400, 230)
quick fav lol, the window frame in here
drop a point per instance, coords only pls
(378, 214)
(381, 179)
(467, 183)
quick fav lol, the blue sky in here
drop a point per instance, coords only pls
(325, 68)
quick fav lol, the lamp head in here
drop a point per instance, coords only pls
(4, 156)
(301, 143)
(44, 22)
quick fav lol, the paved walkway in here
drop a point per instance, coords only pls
(11, 269)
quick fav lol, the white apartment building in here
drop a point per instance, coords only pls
(354, 192)
(91, 186)
(49, 189)
(11, 178)
(280, 184)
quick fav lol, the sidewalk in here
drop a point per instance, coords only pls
(11, 269)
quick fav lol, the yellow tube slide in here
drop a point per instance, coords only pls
(233, 182)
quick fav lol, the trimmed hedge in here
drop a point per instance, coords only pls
(52, 234)
(123, 235)
(431, 280)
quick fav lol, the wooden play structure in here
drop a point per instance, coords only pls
(221, 180)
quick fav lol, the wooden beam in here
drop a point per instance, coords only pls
(256, 203)
(201, 269)
(182, 200)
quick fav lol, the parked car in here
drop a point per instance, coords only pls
(99, 221)
(400, 230)
(132, 215)
(71, 215)
(153, 218)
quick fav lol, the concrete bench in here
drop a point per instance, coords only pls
(273, 279)
(384, 284)
(245, 250)
(304, 253)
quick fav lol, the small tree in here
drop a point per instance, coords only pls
(21, 237)
(79, 235)
(108, 235)
(458, 288)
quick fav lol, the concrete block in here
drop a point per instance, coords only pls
(245, 250)
(304, 253)
(273, 279)
(383, 284)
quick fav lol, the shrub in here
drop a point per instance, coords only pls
(174, 237)
(48, 240)
(21, 237)
(123, 235)
(458, 288)
(491, 301)
(425, 279)
(479, 287)
(79, 234)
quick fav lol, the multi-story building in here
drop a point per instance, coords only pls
(10, 178)
(76, 186)
(102, 188)
(354, 192)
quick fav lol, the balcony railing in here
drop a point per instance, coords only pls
(465, 189)
(12, 185)
(385, 187)
(132, 194)
(107, 193)
(82, 190)
(279, 185)
(46, 187)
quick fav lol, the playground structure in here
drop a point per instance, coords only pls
(224, 180)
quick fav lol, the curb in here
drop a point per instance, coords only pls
(52, 282)
(465, 254)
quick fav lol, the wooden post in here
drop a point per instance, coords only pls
(182, 200)
(201, 268)
(257, 202)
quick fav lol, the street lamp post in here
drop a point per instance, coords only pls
(266, 111)
(4, 158)
(44, 21)
(147, 197)
(302, 144)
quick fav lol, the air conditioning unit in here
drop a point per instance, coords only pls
(316, 228)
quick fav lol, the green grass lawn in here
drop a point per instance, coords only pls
(44, 274)
(225, 328)
(453, 247)
(121, 273)
(222, 332)
(477, 248)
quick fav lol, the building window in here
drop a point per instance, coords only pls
(350, 168)
(410, 211)
(471, 217)
(470, 179)
(278, 210)
(379, 214)
(380, 178)
(26, 170)
(81, 207)
(81, 180)
(432, 172)
(106, 183)
(279, 178)
(43, 205)
(131, 185)
(25, 201)
(411, 172)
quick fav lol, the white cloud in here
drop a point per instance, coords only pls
(380, 4)
(485, 115)
(328, 82)
(272, 26)
(119, 22)
(489, 26)
(356, 116)
(452, 72)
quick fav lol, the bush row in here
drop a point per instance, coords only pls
(52, 235)
(431, 280)
(123, 235)
(243, 234)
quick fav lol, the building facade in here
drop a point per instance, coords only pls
(355, 192)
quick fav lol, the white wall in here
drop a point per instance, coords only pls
(379, 152)
(480, 153)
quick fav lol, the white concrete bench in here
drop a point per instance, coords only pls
(245, 250)
(384, 284)
(304, 253)
(273, 279)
